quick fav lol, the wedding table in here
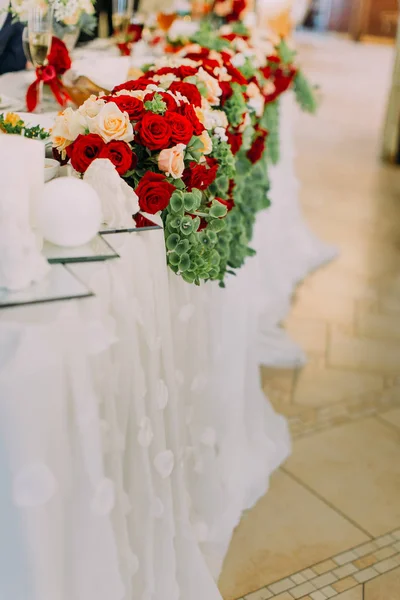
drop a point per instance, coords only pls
(133, 428)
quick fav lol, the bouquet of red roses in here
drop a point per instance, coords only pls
(58, 62)
(154, 131)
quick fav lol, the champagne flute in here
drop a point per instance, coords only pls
(122, 11)
(40, 24)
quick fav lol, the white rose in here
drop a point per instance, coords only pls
(220, 132)
(91, 107)
(118, 201)
(257, 104)
(165, 80)
(238, 60)
(67, 126)
(112, 124)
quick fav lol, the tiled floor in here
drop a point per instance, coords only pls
(330, 525)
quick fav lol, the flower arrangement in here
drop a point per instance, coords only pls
(192, 137)
(68, 13)
(58, 62)
(153, 131)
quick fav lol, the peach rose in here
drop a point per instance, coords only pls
(67, 126)
(171, 161)
(212, 87)
(91, 107)
(112, 124)
(223, 8)
(207, 143)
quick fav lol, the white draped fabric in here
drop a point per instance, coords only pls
(133, 428)
(136, 436)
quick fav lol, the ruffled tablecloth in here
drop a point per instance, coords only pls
(134, 433)
(133, 429)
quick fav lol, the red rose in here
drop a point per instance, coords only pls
(227, 91)
(185, 71)
(121, 156)
(203, 53)
(135, 32)
(188, 90)
(230, 203)
(236, 75)
(59, 57)
(188, 111)
(154, 192)
(235, 141)
(133, 85)
(257, 149)
(154, 131)
(209, 65)
(84, 151)
(199, 176)
(129, 104)
(181, 128)
(168, 99)
(238, 7)
(142, 221)
(266, 71)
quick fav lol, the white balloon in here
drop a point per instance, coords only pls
(68, 212)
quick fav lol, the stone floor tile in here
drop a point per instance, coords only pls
(343, 458)
(385, 587)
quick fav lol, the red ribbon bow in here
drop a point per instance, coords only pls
(48, 75)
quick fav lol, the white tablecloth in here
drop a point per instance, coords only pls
(134, 433)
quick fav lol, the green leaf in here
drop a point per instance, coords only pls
(171, 241)
(218, 210)
(184, 262)
(174, 259)
(285, 53)
(182, 247)
(186, 225)
(304, 93)
(176, 202)
(156, 105)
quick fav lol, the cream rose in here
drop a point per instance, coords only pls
(207, 143)
(67, 126)
(223, 8)
(112, 124)
(91, 107)
(212, 86)
(171, 161)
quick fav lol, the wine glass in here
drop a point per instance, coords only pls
(122, 11)
(40, 26)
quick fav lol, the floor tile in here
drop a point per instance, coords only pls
(263, 594)
(378, 325)
(321, 386)
(287, 531)
(385, 587)
(392, 417)
(354, 594)
(344, 458)
(363, 353)
(345, 584)
(309, 333)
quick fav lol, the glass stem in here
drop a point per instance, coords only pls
(39, 106)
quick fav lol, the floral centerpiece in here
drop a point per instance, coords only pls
(68, 14)
(154, 130)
